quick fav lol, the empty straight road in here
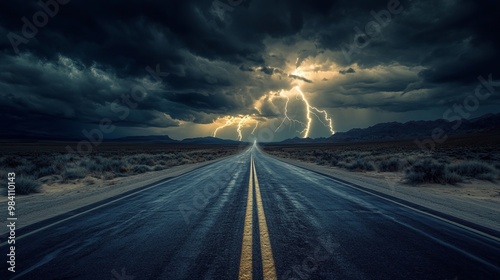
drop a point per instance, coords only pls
(251, 216)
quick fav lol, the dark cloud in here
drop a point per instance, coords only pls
(297, 77)
(348, 71)
(267, 70)
(245, 68)
(219, 62)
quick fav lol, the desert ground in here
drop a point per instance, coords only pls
(49, 167)
(458, 161)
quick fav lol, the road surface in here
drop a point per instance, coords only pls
(251, 216)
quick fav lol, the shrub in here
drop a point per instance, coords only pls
(452, 178)
(474, 169)
(25, 167)
(209, 157)
(321, 162)
(142, 159)
(359, 165)
(93, 165)
(430, 171)
(43, 161)
(73, 173)
(158, 168)
(141, 168)
(27, 185)
(171, 162)
(114, 165)
(488, 177)
(108, 175)
(45, 171)
(390, 165)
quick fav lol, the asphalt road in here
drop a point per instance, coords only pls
(300, 225)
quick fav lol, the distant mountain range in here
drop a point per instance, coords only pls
(144, 139)
(149, 139)
(390, 131)
(165, 139)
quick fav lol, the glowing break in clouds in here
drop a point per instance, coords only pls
(310, 112)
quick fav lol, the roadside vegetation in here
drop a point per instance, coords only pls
(449, 165)
(47, 165)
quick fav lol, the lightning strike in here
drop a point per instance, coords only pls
(256, 125)
(307, 129)
(328, 119)
(229, 121)
(310, 111)
(287, 118)
(240, 125)
(239, 121)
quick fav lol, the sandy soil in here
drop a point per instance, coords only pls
(476, 201)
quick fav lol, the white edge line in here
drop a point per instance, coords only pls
(421, 211)
(87, 211)
(351, 185)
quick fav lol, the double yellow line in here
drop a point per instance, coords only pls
(268, 268)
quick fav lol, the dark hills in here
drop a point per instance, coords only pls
(165, 139)
(391, 131)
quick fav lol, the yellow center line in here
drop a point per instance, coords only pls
(269, 270)
(246, 250)
(265, 244)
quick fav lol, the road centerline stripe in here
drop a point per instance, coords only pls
(246, 266)
(268, 267)
(245, 272)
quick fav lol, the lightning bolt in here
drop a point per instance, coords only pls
(310, 111)
(256, 125)
(329, 123)
(240, 125)
(287, 118)
(307, 129)
(229, 121)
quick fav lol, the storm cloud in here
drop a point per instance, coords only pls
(67, 65)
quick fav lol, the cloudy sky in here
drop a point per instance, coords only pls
(240, 68)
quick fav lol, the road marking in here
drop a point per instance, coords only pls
(352, 185)
(265, 244)
(246, 249)
(269, 270)
(484, 234)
